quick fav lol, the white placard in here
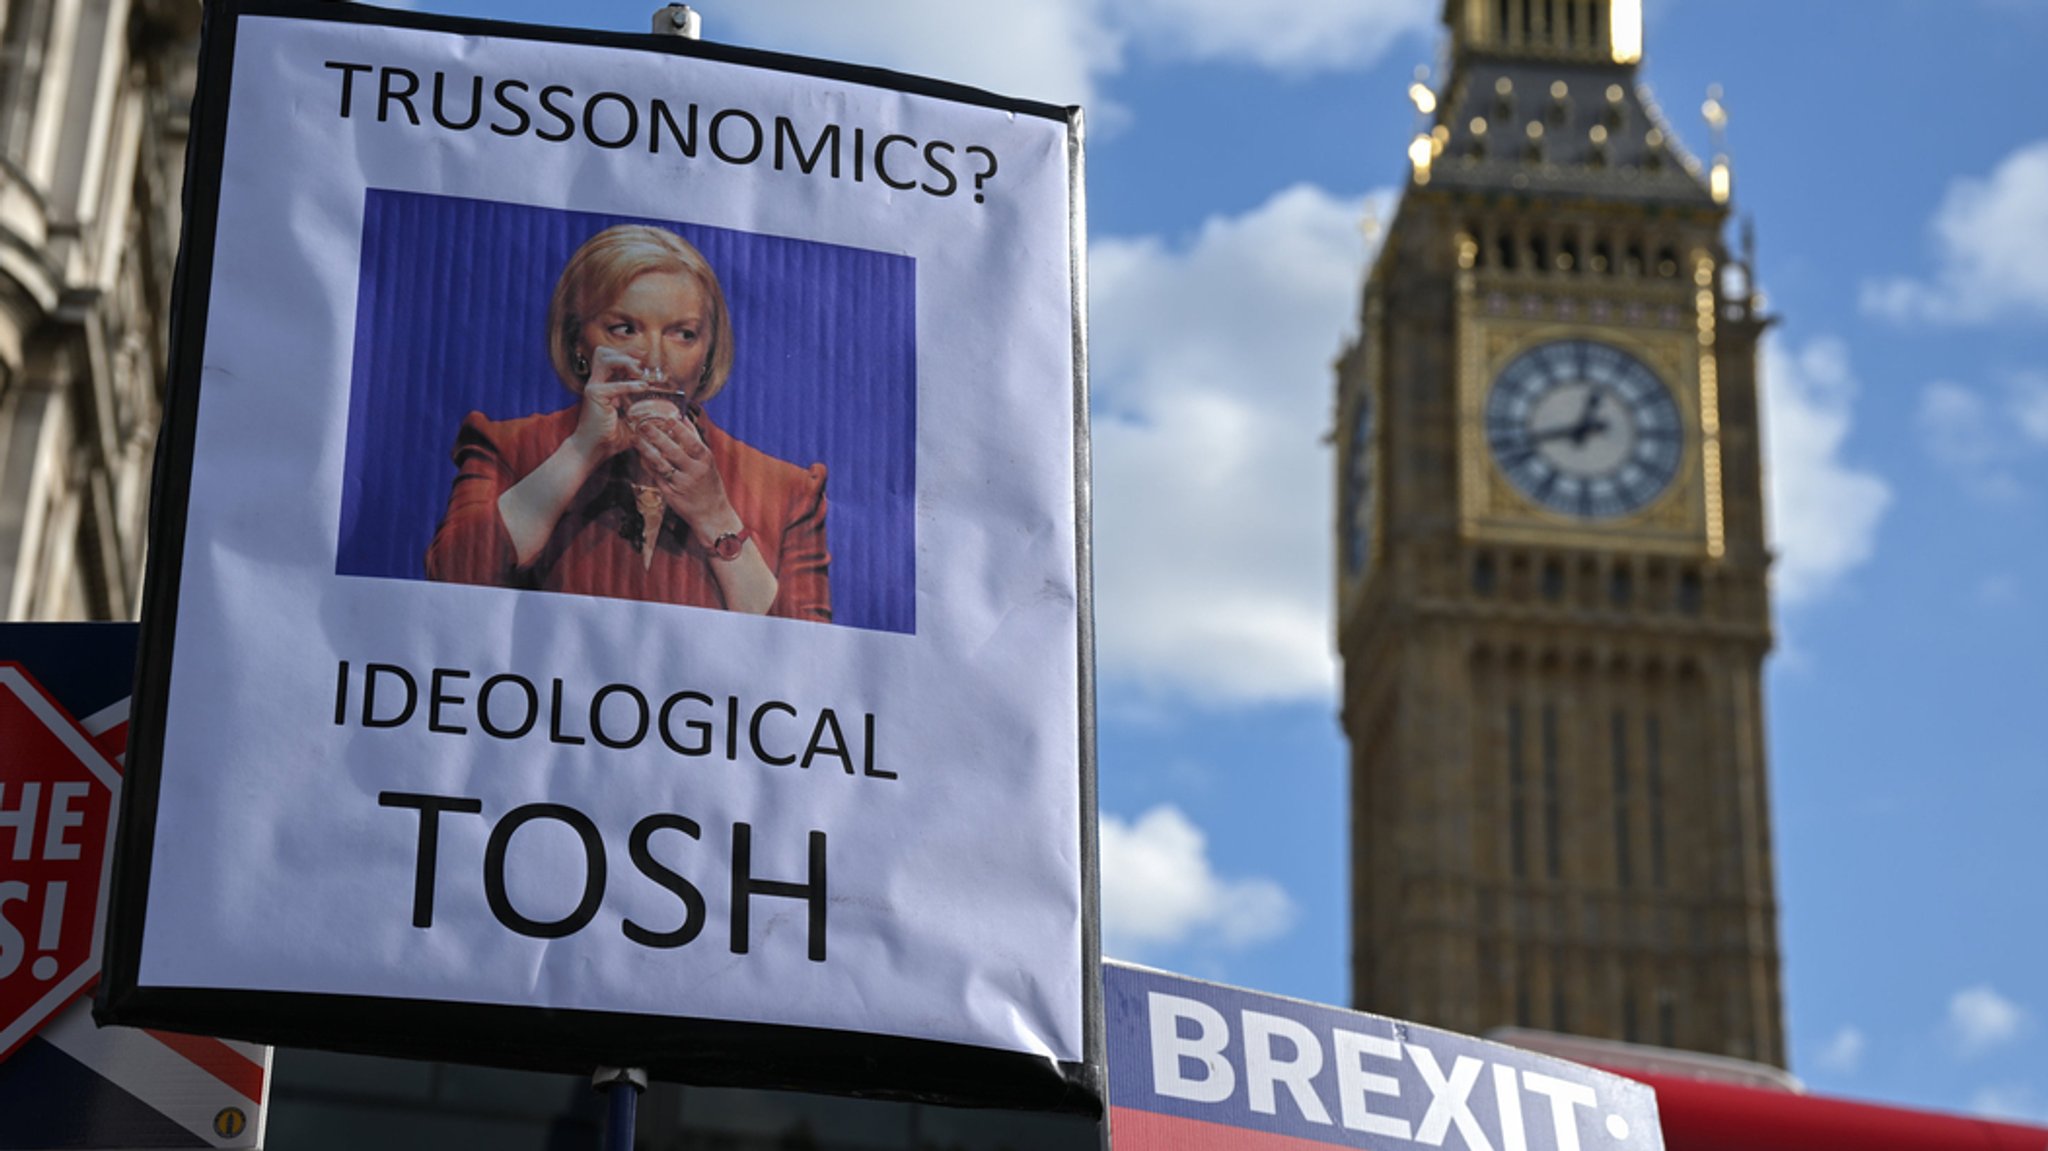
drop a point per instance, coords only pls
(919, 863)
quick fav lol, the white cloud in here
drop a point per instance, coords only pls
(1824, 513)
(1057, 50)
(2011, 1101)
(1979, 1019)
(1282, 34)
(1999, 590)
(1991, 246)
(1064, 50)
(1956, 423)
(2030, 406)
(1211, 362)
(1843, 1053)
(1158, 889)
(1966, 433)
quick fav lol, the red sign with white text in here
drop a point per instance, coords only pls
(57, 795)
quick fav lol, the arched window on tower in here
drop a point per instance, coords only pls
(1484, 576)
(1621, 587)
(1624, 862)
(1560, 1005)
(1689, 592)
(1518, 798)
(1553, 797)
(1653, 788)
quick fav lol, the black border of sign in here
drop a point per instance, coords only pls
(698, 1051)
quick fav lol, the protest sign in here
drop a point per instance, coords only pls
(1195, 1066)
(66, 1085)
(619, 582)
(57, 796)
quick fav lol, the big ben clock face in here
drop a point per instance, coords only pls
(1584, 429)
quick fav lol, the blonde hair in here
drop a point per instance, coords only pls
(598, 274)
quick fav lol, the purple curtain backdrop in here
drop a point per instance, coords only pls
(452, 316)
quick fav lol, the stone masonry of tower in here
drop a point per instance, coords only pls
(1559, 811)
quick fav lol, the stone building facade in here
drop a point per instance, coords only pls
(94, 96)
(1552, 572)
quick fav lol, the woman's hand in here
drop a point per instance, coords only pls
(676, 457)
(601, 430)
(532, 507)
(679, 462)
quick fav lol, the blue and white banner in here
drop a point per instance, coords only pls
(1197, 1066)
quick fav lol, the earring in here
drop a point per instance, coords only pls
(581, 366)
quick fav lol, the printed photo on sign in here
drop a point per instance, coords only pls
(637, 409)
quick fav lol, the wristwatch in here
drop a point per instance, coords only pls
(728, 546)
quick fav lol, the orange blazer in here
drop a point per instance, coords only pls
(595, 546)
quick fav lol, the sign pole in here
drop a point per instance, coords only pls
(621, 1087)
(678, 20)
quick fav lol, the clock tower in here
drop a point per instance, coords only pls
(1552, 591)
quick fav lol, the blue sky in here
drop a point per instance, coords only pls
(1894, 154)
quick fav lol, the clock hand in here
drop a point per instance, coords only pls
(1592, 401)
(1587, 425)
(1576, 432)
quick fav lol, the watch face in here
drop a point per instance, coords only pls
(1358, 495)
(1584, 429)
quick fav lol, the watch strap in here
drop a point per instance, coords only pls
(728, 546)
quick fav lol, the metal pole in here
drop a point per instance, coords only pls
(678, 20)
(621, 1087)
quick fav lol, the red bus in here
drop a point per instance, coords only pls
(1709, 1103)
